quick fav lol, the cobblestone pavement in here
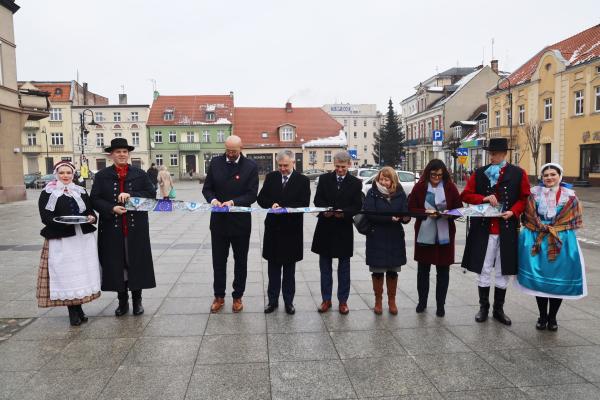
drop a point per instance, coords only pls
(178, 350)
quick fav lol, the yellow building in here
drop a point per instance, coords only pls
(558, 91)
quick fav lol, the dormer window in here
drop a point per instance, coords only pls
(286, 133)
(210, 116)
(168, 115)
(58, 92)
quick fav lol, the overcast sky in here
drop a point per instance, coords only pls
(309, 51)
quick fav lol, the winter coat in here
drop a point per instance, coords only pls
(64, 206)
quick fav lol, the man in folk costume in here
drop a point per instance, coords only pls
(492, 243)
(123, 236)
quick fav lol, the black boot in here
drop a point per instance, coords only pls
(554, 306)
(499, 295)
(422, 286)
(484, 304)
(441, 289)
(82, 315)
(74, 318)
(123, 304)
(136, 301)
(542, 321)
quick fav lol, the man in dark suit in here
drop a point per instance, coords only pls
(334, 235)
(232, 180)
(283, 242)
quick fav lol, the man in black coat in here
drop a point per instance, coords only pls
(283, 243)
(123, 236)
(334, 234)
(153, 175)
(232, 180)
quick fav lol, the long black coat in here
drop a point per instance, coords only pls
(283, 241)
(64, 206)
(385, 243)
(334, 237)
(237, 182)
(111, 244)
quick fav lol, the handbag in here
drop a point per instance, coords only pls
(362, 224)
(172, 193)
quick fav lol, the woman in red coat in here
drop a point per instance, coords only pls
(434, 236)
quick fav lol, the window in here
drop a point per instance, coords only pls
(327, 156)
(374, 134)
(482, 126)
(172, 137)
(365, 122)
(312, 157)
(116, 116)
(55, 114)
(134, 116)
(458, 131)
(135, 138)
(1, 75)
(345, 122)
(173, 159)
(118, 134)
(579, 102)
(365, 135)
(168, 115)
(374, 123)
(508, 117)
(521, 115)
(210, 116)
(206, 137)
(355, 135)
(99, 139)
(287, 133)
(365, 148)
(190, 137)
(98, 116)
(354, 122)
(436, 124)
(159, 159)
(220, 137)
(547, 109)
(57, 139)
(597, 107)
(497, 115)
(158, 138)
(428, 128)
(31, 139)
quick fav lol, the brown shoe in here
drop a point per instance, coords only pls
(392, 284)
(325, 306)
(217, 304)
(237, 305)
(344, 309)
(378, 290)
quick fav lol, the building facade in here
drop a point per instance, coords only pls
(51, 139)
(361, 122)
(113, 121)
(558, 89)
(18, 107)
(185, 132)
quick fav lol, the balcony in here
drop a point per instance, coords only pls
(35, 103)
(31, 125)
(494, 133)
(190, 146)
(57, 147)
(31, 149)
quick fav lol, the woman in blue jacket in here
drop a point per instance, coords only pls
(386, 250)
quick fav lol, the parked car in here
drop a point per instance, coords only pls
(313, 173)
(29, 180)
(407, 180)
(43, 180)
(365, 173)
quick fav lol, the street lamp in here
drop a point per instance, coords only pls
(510, 112)
(49, 166)
(84, 132)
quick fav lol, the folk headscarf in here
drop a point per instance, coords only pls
(56, 189)
(546, 196)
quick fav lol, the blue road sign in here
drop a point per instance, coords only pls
(438, 135)
(353, 154)
(462, 151)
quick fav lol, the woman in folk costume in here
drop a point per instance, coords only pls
(69, 273)
(434, 236)
(551, 265)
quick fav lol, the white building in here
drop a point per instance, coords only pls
(119, 120)
(361, 123)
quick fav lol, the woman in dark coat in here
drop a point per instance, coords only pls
(123, 236)
(69, 273)
(386, 250)
(434, 236)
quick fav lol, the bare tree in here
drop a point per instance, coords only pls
(533, 132)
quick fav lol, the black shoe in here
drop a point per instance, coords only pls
(484, 304)
(138, 309)
(123, 304)
(501, 317)
(552, 326)
(420, 308)
(82, 315)
(74, 317)
(290, 309)
(541, 324)
(499, 295)
(271, 307)
(441, 311)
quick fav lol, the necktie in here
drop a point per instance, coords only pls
(285, 180)
(339, 181)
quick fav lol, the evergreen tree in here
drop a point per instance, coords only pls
(389, 140)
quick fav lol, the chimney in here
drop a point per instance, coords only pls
(122, 98)
(231, 94)
(288, 107)
(494, 65)
(85, 93)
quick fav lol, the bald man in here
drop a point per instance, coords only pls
(232, 180)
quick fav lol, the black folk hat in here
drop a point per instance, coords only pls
(118, 143)
(497, 144)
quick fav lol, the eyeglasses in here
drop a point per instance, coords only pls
(433, 175)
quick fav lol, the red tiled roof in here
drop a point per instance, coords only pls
(190, 110)
(63, 94)
(60, 91)
(576, 50)
(310, 123)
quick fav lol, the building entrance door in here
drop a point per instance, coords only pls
(190, 164)
(32, 165)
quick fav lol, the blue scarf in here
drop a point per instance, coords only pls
(493, 172)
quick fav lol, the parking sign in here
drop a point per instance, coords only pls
(438, 135)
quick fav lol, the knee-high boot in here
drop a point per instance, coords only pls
(484, 304)
(392, 284)
(378, 290)
(499, 295)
